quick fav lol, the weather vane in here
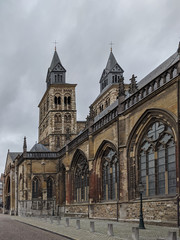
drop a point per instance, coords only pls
(111, 43)
(55, 44)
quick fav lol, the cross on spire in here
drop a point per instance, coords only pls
(55, 44)
(111, 43)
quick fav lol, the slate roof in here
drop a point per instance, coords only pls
(111, 62)
(13, 155)
(38, 147)
(159, 70)
(55, 61)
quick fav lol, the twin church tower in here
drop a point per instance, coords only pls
(58, 124)
(57, 109)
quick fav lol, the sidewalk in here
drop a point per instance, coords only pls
(122, 231)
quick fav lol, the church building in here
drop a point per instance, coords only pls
(94, 168)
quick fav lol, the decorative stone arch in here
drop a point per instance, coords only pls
(106, 155)
(79, 177)
(148, 118)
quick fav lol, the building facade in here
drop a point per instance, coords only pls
(93, 168)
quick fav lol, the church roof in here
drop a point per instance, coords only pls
(159, 70)
(13, 155)
(55, 61)
(38, 147)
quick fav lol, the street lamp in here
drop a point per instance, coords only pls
(141, 221)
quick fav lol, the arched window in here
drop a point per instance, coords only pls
(55, 100)
(35, 188)
(157, 160)
(110, 175)
(59, 100)
(65, 100)
(49, 188)
(81, 179)
(69, 100)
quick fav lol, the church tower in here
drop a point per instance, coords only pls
(57, 108)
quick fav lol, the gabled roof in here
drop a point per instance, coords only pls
(38, 147)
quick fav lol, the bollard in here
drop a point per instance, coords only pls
(51, 220)
(92, 228)
(135, 233)
(78, 224)
(58, 221)
(172, 235)
(110, 229)
(67, 222)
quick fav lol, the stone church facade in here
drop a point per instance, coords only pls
(93, 168)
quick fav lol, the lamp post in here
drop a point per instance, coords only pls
(141, 221)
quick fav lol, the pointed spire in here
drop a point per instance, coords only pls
(55, 60)
(25, 145)
(111, 62)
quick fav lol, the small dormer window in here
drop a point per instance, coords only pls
(58, 77)
(55, 77)
(61, 78)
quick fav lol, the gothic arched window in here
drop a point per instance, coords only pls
(110, 175)
(35, 188)
(49, 188)
(81, 180)
(157, 163)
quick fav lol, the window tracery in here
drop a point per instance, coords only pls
(110, 175)
(35, 188)
(81, 180)
(157, 163)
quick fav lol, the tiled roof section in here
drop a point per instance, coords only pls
(55, 61)
(159, 70)
(38, 147)
(13, 155)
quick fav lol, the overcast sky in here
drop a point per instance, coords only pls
(144, 34)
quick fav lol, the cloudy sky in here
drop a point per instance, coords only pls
(144, 34)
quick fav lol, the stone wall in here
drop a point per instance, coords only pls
(161, 210)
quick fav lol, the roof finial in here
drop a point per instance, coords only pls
(111, 43)
(55, 45)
